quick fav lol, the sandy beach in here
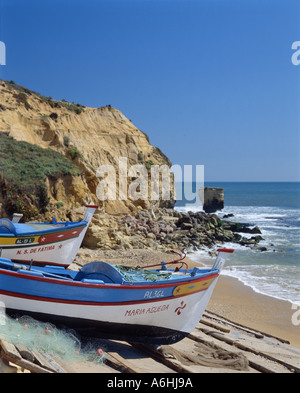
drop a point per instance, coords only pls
(231, 298)
(240, 303)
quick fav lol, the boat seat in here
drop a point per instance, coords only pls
(101, 271)
(6, 263)
(91, 281)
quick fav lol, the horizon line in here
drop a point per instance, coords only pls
(243, 181)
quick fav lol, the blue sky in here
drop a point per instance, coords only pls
(211, 82)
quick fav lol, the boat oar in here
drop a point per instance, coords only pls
(52, 275)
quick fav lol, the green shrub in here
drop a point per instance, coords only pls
(147, 164)
(74, 153)
(24, 169)
(66, 141)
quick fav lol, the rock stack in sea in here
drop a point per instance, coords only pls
(213, 199)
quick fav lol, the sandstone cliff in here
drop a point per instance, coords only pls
(50, 151)
(89, 137)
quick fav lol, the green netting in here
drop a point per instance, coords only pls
(47, 338)
(133, 273)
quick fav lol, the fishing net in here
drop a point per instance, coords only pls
(133, 273)
(46, 338)
(208, 355)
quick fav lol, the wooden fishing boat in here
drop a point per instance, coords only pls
(54, 243)
(139, 304)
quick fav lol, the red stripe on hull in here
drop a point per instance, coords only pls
(60, 236)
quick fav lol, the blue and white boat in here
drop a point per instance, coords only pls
(54, 243)
(159, 305)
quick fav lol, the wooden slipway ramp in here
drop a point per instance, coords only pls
(216, 345)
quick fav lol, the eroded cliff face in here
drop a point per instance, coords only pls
(90, 137)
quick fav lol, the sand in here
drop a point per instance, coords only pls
(231, 298)
(240, 303)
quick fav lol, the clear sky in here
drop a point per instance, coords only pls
(210, 81)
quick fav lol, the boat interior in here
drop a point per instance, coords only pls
(100, 272)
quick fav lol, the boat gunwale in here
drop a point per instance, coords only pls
(70, 226)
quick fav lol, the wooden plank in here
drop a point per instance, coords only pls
(261, 367)
(20, 355)
(32, 367)
(239, 345)
(217, 335)
(54, 364)
(23, 363)
(42, 361)
(255, 332)
(111, 361)
(9, 350)
(25, 352)
(122, 363)
(214, 325)
(246, 329)
(158, 355)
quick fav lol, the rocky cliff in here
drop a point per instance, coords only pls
(89, 137)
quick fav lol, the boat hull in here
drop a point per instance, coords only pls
(156, 313)
(43, 249)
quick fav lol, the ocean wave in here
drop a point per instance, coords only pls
(275, 281)
(253, 214)
(274, 272)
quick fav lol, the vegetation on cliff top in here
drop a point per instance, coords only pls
(21, 94)
(23, 171)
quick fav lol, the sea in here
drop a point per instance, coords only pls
(275, 209)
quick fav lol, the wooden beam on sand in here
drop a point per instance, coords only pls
(159, 356)
(23, 357)
(255, 332)
(113, 359)
(214, 325)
